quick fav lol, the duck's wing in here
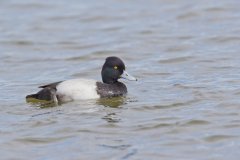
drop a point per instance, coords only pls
(51, 85)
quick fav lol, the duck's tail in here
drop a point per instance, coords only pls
(45, 95)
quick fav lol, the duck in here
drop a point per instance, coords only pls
(83, 89)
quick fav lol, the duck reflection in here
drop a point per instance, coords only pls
(112, 104)
(112, 118)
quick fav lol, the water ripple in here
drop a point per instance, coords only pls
(44, 140)
(217, 138)
(176, 60)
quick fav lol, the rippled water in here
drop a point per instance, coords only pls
(185, 53)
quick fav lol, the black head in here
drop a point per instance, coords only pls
(112, 70)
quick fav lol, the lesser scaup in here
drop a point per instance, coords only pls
(80, 89)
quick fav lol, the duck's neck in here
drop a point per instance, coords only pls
(109, 81)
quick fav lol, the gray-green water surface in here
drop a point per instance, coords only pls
(186, 55)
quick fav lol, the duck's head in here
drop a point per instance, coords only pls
(114, 69)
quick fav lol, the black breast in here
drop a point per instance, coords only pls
(111, 90)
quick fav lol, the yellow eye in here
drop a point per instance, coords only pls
(116, 67)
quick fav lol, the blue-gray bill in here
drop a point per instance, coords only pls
(127, 76)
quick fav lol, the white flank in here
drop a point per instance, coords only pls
(77, 89)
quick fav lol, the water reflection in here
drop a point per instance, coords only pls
(114, 102)
(112, 118)
(42, 104)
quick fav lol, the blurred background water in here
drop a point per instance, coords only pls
(185, 54)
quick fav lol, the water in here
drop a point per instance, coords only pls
(184, 53)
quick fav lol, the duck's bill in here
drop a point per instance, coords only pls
(127, 76)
